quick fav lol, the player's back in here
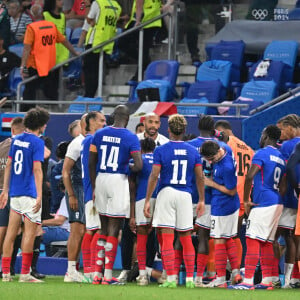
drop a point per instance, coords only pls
(177, 160)
(143, 176)
(84, 154)
(266, 182)
(114, 146)
(25, 149)
(288, 147)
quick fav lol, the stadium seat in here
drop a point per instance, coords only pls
(81, 108)
(13, 80)
(274, 72)
(160, 81)
(68, 33)
(244, 111)
(232, 51)
(192, 110)
(294, 14)
(285, 51)
(17, 49)
(76, 33)
(263, 91)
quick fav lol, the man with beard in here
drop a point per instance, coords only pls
(152, 124)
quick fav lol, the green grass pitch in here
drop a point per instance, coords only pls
(55, 288)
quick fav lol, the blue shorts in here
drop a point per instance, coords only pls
(4, 215)
(54, 234)
(79, 215)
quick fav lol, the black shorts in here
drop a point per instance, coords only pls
(79, 215)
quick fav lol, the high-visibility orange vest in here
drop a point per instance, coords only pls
(43, 49)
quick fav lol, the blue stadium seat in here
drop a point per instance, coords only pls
(160, 74)
(285, 51)
(75, 35)
(275, 72)
(192, 110)
(294, 14)
(17, 49)
(211, 90)
(81, 108)
(244, 111)
(232, 51)
(263, 91)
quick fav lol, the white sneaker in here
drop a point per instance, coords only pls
(162, 279)
(7, 277)
(142, 280)
(198, 282)
(123, 276)
(218, 282)
(74, 277)
(29, 278)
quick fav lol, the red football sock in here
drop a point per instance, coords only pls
(178, 261)
(86, 252)
(211, 256)
(188, 254)
(6, 265)
(295, 273)
(252, 257)
(95, 248)
(269, 263)
(110, 252)
(167, 252)
(26, 262)
(220, 259)
(239, 251)
(232, 250)
(141, 250)
(160, 242)
(100, 253)
(202, 260)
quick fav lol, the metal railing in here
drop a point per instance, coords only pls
(238, 106)
(139, 28)
(290, 93)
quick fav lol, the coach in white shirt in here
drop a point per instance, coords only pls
(152, 124)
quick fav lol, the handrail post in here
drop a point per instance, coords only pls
(100, 73)
(175, 34)
(140, 61)
(238, 111)
(170, 37)
(60, 86)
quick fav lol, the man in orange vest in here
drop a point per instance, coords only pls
(39, 56)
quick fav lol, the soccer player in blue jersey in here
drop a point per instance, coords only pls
(110, 152)
(290, 134)
(225, 206)
(72, 178)
(176, 162)
(206, 129)
(138, 187)
(23, 183)
(267, 170)
(90, 246)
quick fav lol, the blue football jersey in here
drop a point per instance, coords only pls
(25, 149)
(86, 180)
(143, 176)
(207, 167)
(177, 160)
(290, 199)
(272, 168)
(114, 147)
(224, 173)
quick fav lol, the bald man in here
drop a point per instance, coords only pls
(74, 197)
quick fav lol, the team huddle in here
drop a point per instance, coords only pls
(203, 187)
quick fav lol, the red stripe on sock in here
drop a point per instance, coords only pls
(220, 259)
(86, 252)
(26, 262)
(178, 260)
(252, 257)
(232, 251)
(188, 254)
(202, 260)
(110, 252)
(141, 250)
(6, 265)
(296, 273)
(167, 252)
(160, 241)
